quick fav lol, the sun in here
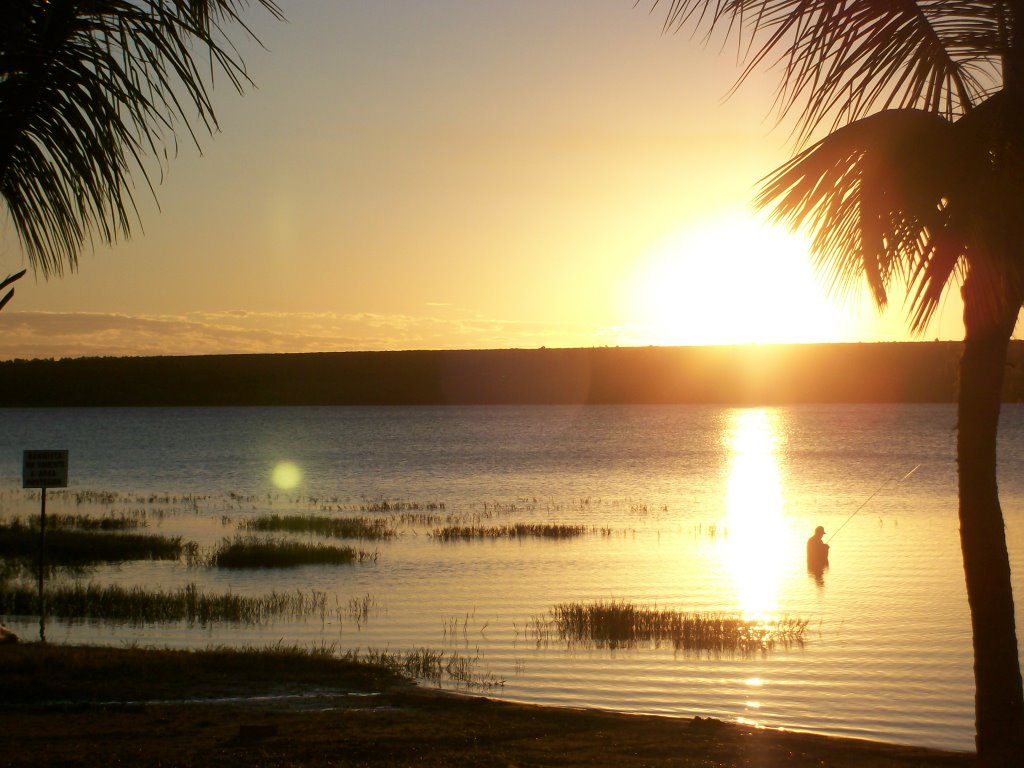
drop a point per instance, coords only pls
(735, 280)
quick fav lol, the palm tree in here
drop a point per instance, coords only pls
(919, 183)
(92, 91)
(7, 281)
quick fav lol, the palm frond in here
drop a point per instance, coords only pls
(7, 281)
(874, 197)
(985, 208)
(842, 60)
(88, 91)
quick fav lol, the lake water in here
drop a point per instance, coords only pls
(693, 509)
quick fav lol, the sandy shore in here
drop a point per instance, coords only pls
(80, 706)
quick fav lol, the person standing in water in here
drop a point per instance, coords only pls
(817, 551)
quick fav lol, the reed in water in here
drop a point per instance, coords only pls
(69, 546)
(138, 605)
(515, 531)
(622, 624)
(336, 527)
(253, 552)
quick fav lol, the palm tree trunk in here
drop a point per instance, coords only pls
(999, 700)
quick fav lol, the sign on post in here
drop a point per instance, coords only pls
(44, 469)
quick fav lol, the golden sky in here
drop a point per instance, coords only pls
(457, 174)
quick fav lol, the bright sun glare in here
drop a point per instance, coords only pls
(286, 475)
(736, 281)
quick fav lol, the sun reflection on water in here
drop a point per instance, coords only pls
(286, 475)
(757, 547)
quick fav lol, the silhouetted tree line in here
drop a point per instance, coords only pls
(743, 375)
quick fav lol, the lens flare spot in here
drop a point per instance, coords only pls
(286, 475)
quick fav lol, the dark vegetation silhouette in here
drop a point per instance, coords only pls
(912, 372)
(917, 184)
(6, 282)
(94, 92)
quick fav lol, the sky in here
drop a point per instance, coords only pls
(458, 174)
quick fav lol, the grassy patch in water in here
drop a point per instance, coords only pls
(72, 547)
(622, 624)
(337, 527)
(360, 608)
(516, 531)
(250, 552)
(402, 506)
(121, 521)
(427, 664)
(138, 605)
(108, 498)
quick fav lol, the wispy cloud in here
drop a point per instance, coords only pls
(84, 334)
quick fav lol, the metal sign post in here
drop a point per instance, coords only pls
(42, 470)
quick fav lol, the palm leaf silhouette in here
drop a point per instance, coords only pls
(88, 92)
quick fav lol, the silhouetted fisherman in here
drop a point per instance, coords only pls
(817, 551)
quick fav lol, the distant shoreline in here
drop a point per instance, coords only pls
(898, 372)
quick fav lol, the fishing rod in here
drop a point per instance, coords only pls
(869, 498)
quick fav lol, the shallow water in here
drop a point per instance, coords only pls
(696, 509)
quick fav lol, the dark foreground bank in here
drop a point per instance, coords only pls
(80, 706)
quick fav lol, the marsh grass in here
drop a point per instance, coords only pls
(360, 608)
(621, 624)
(72, 547)
(254, 552)
(515, 531)
(137, 605)
(106, 498)
(431, 665)
(711, 530)
(421, 518)
(401, 506)
(336, 527)
(123, 521)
